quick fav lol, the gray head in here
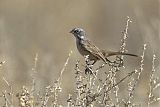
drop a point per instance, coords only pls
(79, 33)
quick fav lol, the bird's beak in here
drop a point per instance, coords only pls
(71, 31)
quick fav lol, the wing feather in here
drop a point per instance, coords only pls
(94, 50)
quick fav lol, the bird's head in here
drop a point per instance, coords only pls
(79, 33)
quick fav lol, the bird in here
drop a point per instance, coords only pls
(87, 48)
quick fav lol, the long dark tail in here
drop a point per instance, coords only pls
(110, 53)
(119, 53)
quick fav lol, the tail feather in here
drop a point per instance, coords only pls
(129, 54)
(119, 53)
(108, 54)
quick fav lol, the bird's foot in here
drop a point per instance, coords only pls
(88, 69)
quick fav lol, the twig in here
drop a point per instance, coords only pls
(64, 67)
(57, 87)
(34, 69)
(129, 74)
(153, 84)
(10, 93)
(132, 85)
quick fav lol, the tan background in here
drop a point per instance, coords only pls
(28, 27)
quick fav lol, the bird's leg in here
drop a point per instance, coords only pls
(88, 69)
(88, 65)
(93, 62)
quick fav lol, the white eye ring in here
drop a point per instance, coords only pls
(77, 31)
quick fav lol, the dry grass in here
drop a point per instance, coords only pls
(91, 90)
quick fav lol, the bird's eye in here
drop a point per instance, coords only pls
(76, 31)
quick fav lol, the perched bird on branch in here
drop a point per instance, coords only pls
(86, 47)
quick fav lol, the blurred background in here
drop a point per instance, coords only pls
(28, 27)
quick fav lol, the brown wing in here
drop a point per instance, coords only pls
(94, 50)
